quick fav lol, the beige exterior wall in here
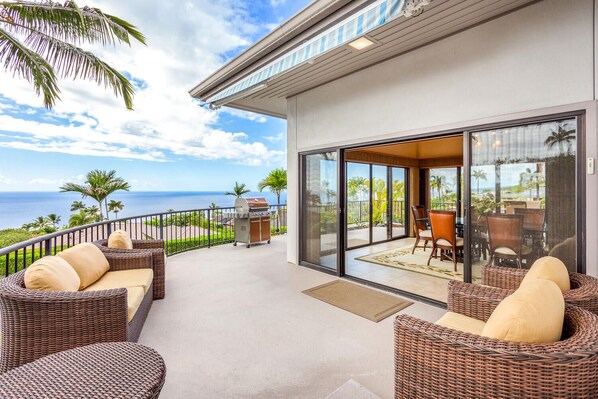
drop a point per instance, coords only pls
(536, 61)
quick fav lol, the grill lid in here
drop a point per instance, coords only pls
(251, 204)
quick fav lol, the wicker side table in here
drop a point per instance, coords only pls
(108, 370)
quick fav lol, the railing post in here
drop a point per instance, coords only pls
(161, 227)
(209, 228)
(109, 228)
(46, 247)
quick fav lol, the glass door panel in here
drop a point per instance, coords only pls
(399, 201)
(443, 189)
(523, 194)
(379, 203)
(320, 197)
(358, 204)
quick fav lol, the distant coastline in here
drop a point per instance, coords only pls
(19, 207)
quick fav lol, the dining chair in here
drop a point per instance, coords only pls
(444, 235)
(505, 234)
(512, 205)
(533, 227)
(420, 227)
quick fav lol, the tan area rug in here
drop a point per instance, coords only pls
(365, 302)
(403, 259)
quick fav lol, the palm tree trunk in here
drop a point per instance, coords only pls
(106, 206)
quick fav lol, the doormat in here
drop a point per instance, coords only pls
(362, 301)
(403, 259)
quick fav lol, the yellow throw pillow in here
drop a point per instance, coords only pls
(88, 261)
(51, 273)
(533, 313)
(120, 239)
(552, 269)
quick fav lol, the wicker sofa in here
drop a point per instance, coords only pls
(432, 361)
(583, 292)
(156, 247)
(36, 323)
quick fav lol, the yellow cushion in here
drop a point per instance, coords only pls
(51, 273)
(459, 322)
(552, 269)
(533, 313)
(88, 261)
(120, 239)
(124, 279)
(134, 298)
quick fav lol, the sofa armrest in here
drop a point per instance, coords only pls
(38, 323)
(502, 277)
(129, 260)
(473, 300)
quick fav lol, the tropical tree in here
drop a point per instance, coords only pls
(53, 220)
(479, 174)
(239, 190)
(51, 33)
(213, 205)
(115, 206)
(276, 181)
(528, 180)
(94, 212)
(77, 206)
(357, 186)
(436, 183)
(99, 184)
(81, 218)
(559, 136)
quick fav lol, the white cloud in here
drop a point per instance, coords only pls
(5, 180)
(252, 116)
(279, 137)
(276, 3)
(185, 43)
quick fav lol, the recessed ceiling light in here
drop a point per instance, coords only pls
(361, 43)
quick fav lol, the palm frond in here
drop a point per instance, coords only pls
(25, 63)
(68, 22)
(70, 61)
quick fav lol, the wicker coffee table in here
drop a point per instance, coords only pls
(109, 370)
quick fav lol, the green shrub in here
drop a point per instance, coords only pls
(10, 237)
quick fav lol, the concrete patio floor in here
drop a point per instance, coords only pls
(234, 324)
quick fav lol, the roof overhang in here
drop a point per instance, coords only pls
(312, 48)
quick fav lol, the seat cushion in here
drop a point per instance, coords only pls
(525, 250)
(552, 269)
(120, 239)
(533, 313)
(88, 261)
(445, 243)
(51, 273)
(459, 322)
(425, 234)
(134, 299)
(124, 279)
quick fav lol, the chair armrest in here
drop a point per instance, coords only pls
(138, 259)
(148, 244)
(38, 323)
(502, 277)
(473, 300)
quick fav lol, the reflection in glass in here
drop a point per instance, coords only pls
(443, 189)
(358, 204)
(379, 203)
(524, 194)
(320, 210)
(398, 201)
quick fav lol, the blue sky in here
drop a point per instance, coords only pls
(168, 143)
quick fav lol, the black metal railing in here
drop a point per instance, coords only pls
(358, 212)
(181, 231)
(443, 206)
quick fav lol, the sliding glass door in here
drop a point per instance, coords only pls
(398, 200)
(358, 204)
(319, 222)
(524, 194)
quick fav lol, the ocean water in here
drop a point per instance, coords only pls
(18, 208)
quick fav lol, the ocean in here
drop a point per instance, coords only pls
(18, 208)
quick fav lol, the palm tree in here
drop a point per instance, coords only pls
(213, 205)
(238, 191)
(276, 181)
(53, 219)
(559, 136)
(77, 206)
(115, 206)
(49, 50)
(94, 212)
(436, 183)
(99, 185)
(479, 174)
(81, 218)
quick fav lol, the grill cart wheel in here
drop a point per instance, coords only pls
(268, 241)
(248, 245)
(234, 244)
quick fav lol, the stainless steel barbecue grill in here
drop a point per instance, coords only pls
(252, 221)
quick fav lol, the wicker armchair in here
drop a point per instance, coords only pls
(38, 323)
(583, 292)
(156, 247)
(432, 361)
